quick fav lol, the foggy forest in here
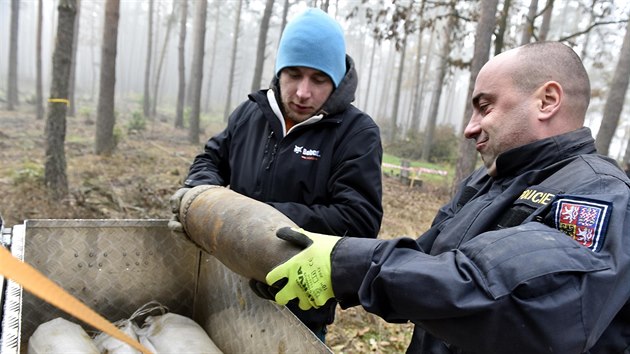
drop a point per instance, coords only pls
(414, 58)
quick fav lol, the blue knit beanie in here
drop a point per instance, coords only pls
(315, 40)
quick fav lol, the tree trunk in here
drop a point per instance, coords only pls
(215, 40)
(528, 29)
(39, 95)
(105, 119)
(146, 107)
(429, 129)
(196, 76)
(12, 87)
(401, 65)
(262, 44)
(156, 85)
(546, 22)
(94, 61)
(616, 96)
(325, 4)
(415, 110)
(181, 67)
(366, 101)
(425, 74)
(73, 64)
(503, 21)
(483, 38)
(228, 101)
(584, 54)
(285, 13)
(382, 104)
(55, 162)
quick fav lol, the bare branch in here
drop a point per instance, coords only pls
(587, 29)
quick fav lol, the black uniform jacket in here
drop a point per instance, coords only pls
(535, 260)
(325, 174)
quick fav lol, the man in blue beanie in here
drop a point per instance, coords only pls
(301, 146)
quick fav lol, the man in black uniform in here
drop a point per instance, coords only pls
(532, 255)
(301, 146)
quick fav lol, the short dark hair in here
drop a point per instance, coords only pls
(540, 62)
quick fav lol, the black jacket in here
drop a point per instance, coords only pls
(325, 176)
(535, 260)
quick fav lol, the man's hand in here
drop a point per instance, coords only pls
(308, 272)
(175, 201)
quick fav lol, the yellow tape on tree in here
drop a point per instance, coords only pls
(60, 100)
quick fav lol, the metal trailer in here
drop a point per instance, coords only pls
(116, 266)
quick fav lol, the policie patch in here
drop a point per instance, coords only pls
(585, 220)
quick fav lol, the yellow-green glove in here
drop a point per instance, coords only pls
(308, 272)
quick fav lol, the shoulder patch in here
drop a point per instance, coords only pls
(585, 220)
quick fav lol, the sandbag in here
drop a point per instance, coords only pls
(60, 336)
(161, 334)
(173, 333)
(110, 345)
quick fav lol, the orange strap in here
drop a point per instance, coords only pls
(38, 284)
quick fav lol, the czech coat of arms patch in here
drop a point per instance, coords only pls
(585, 220)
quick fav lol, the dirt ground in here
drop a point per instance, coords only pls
(137, 180)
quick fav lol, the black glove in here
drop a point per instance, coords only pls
(267, 292)
(175, 201)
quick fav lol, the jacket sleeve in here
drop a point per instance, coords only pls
(211, 166)
(536, 287)
(355, 191)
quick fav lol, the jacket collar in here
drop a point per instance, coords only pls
(545, 152)
(278, 113)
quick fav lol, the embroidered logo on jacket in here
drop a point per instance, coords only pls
(583, 219)
(307, 154)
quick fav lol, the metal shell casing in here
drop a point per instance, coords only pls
(239, 231)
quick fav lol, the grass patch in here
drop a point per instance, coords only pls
(29, 173)
(426, 177)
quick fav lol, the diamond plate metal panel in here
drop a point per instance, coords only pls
(113, 266)
(116, 266)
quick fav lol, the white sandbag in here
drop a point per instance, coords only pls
(173, 333)
(110, 345)
(60, 336)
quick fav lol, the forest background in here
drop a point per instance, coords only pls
(104, 103)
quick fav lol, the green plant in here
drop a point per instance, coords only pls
(443, 146)
(29, 172)
(137, 123)
(117, 135)
(186, 116)
(85, 112)
(408, 148)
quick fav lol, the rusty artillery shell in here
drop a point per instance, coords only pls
(239, 231)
